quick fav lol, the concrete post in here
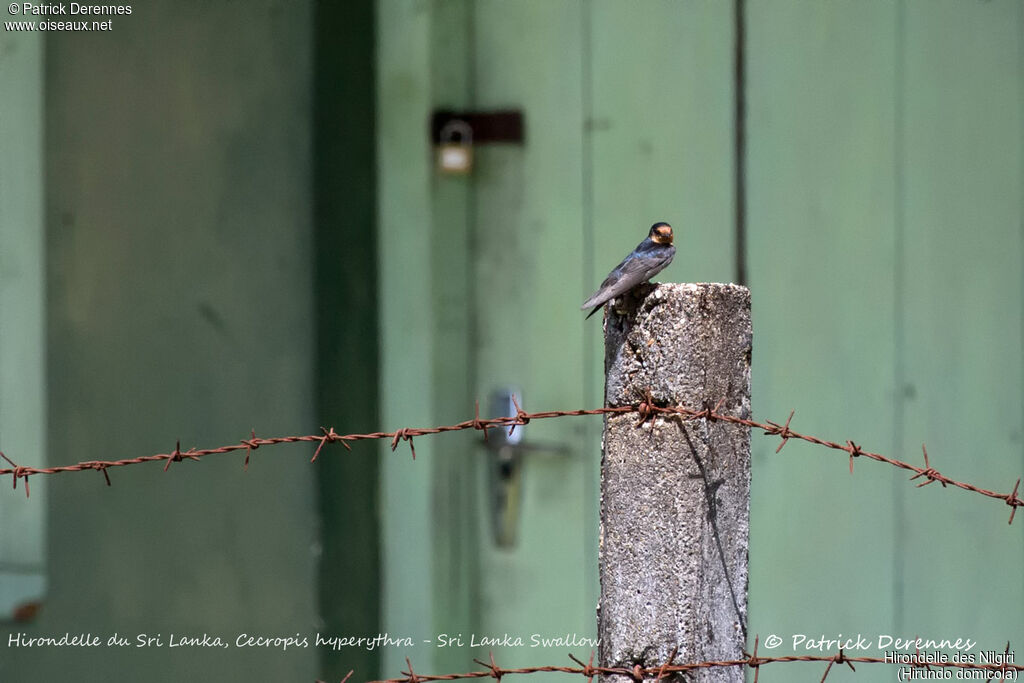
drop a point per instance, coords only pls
(675, 494)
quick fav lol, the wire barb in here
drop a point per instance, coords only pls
(102, 468)
(496, 672)
(587, 669)
(250, 445)
(780, 430)
(478, 424)
(406, 434)
(855, 451)
(646, 409)
(753, 661)
(330, 436)
(412, 677)
(18, 472)
(1012, 500)
(521, 418)
(667, 663)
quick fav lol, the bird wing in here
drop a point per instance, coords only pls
(628, 274)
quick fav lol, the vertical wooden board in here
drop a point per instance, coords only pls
(347, 346)
(659, 135)
(406, 319)
(658, 126)
(22, 312)
(528, 257)
(821, 220)
(179, 305)
(962, 130)
(661, 128)
(454, 487)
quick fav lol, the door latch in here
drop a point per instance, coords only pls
(505, 471)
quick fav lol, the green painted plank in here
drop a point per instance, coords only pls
(454, 492)
(527, 262)
(179, 235)
(407, 319)
(347, 330)
(961, 345)
(662, 133)
(22, 311)
(820, 177)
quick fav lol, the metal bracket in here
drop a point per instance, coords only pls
(502, 126)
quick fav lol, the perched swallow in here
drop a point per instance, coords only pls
(648, 259)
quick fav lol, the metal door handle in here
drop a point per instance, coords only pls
(505, 474)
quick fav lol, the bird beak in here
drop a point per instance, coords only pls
(663, 234)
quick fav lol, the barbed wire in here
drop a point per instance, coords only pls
(659, 672)
(344, 680)
(646, 408)
(656, 673)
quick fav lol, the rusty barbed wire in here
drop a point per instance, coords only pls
(659, 672)
(646, 409)
(344, 680)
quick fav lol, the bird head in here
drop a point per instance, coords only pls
(661, 233)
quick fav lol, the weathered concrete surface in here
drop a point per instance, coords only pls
(675, 494)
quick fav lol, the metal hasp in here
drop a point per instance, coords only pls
(503, 126)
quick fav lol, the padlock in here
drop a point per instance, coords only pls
(455, 151)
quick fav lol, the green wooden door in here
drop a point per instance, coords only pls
(885, 180)
(483, 277)
(884, 177)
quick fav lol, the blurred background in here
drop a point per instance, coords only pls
(219, 217)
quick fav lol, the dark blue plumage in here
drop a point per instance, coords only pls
(648, 259)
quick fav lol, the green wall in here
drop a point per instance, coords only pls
(885, 175)
(179, 228)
